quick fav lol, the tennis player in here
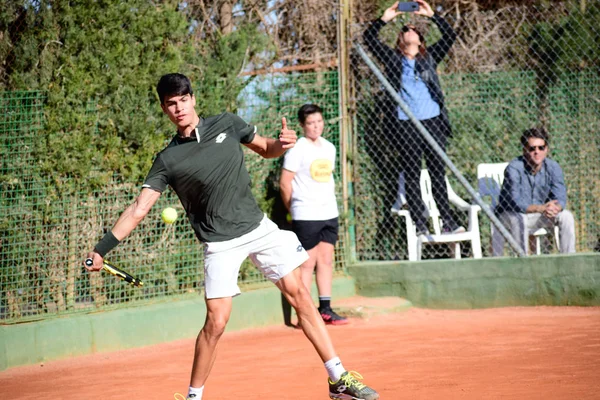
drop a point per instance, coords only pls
(204, 165)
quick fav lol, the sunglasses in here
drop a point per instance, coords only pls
(534, 148)
(407, 28)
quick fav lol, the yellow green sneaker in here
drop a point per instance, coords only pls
(350, 387)
(179, 396)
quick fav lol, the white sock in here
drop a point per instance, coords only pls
(335, 369)
(197, 392)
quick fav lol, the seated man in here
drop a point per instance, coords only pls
(534, 195)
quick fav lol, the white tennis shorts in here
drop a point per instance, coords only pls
(275, 253)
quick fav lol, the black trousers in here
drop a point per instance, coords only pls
(412, 148)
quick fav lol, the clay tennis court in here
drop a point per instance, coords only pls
(505, 353)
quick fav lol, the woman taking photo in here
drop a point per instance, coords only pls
(411, 70)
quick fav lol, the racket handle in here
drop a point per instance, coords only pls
(116, 271)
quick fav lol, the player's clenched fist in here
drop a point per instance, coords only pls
(287, 137)
(96, 262)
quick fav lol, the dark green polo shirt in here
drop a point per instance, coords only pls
(210, 178)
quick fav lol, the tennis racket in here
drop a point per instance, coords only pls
(108, 267)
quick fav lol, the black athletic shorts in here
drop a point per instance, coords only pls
(310, 233)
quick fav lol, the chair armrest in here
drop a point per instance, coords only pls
(474, 217)
(456, 200)
(475, 207)
(405, 214)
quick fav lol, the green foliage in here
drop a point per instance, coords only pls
(570, 43)
(222, 60)
(111, 53)
(91, 67)
(488, 113)
(99, 62)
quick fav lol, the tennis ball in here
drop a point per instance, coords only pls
(169, 215)
(288, 218)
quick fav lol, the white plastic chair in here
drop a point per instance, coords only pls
(489, 181)
(415, 243)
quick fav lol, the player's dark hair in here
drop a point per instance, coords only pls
(306, 110)
(173, 85)
(538, 133)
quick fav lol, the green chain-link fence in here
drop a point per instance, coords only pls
(536, 66)
(511, 67)
(265, 102)
(44, 238)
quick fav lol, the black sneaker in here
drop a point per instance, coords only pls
(330, 317)
(350, 387)
(452, 228)
(422, 229)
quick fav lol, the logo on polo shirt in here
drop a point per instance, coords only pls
(221, 137)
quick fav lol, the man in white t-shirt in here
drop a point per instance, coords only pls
(308, 192)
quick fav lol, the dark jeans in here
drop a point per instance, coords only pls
(412, 147)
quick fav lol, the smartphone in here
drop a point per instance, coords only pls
(408, 6)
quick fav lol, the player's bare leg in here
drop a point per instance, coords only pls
(217, 316)
(311, 322)
(342, 384)
(308, 268)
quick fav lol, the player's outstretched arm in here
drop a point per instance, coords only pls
(127, 222)
(135, 213)
(273, 148)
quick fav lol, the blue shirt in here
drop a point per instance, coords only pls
(521, 188)
(415, 94)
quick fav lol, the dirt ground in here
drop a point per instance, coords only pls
(504, 353)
